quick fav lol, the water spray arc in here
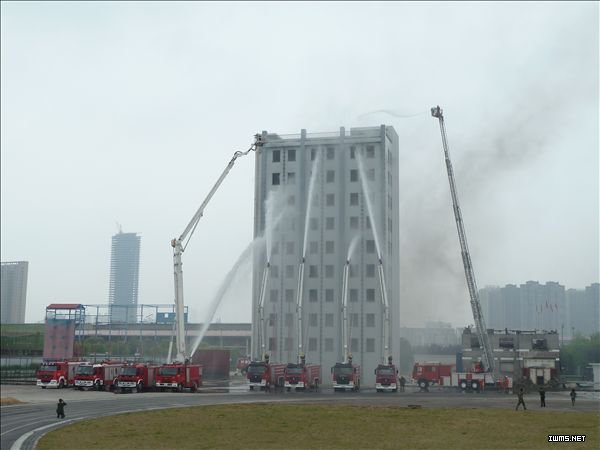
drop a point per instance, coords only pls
(261, 312)
(382, 284)
(300, 289)
(345, 277)
(242, 261)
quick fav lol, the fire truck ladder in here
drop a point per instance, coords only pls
(487, 355)
(179, 247)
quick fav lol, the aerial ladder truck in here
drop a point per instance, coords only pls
(487, 357)
(179, 247)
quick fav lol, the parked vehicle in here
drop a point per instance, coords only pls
(431, 373)
(179, 376)
(346, 376)
(302, 376)
(139, 377)
(265, 375)
(100, 377)
(386, 377)
(57, 374)
(242, 364)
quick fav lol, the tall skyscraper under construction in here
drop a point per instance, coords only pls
(324, 203)
(124, 276)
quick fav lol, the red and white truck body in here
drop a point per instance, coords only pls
(97, 376)
(264, 375)
(471, 380)
(386, 378)
(179, 376)
(242, 364)
(302, 376)
(138, 377)
(57, 374)
(430, 373)
(345, 376)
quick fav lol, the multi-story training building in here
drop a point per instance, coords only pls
(13, 292)
(124, 275)
(316, 196)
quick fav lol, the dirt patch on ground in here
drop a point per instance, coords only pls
(9, 401)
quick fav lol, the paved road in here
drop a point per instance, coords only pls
(22, 425)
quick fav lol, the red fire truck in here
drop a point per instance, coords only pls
(179, 376)
(140, 376)
(264, 375)
(346, 376)
(100, 377)
(242, 364)
(386, 377)
(430, 373)
(57, 374)
(302, 376)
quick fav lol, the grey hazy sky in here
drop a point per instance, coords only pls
(128, 112)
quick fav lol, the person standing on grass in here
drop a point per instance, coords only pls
(60, 409)
(542, 398)
(573, 394)
(521, 401)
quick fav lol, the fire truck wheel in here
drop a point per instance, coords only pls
(140, 386)
(251, 388)
(289, 389)
(379, 390)
(423, 384)
(475, 385)
(463, 385)
(43, 387)
(80, 388)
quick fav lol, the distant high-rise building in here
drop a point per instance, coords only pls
(124, 276)
(324, 199)
(535, 306)
(13, 292)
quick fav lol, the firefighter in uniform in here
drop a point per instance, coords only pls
(60, 409)
(542, 398)
(521, 401)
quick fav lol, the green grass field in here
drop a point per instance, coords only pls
(268, 426)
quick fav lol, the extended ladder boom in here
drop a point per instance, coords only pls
(179, 248)
(487, 354)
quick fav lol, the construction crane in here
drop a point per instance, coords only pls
(179, 247)
(484, 342)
